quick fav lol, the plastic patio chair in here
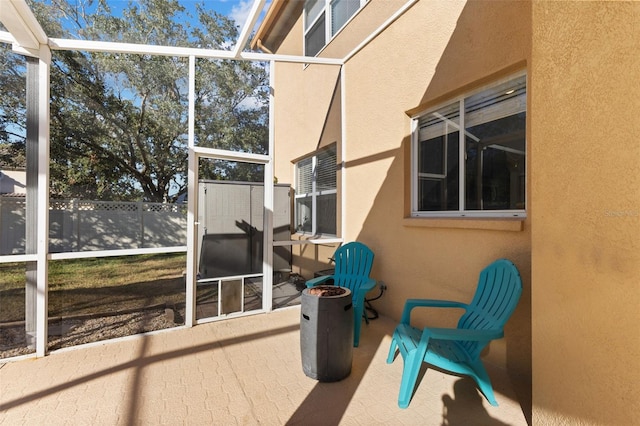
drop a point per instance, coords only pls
(458, 350)
(353, 262)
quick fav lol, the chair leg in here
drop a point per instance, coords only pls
(392, 349)
(410, 371)
(357, 323)
(484, 383)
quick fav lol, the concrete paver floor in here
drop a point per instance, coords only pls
(244, 371)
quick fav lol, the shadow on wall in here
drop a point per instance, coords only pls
(436, 262)
(477, 30)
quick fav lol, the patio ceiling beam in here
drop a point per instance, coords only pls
(146, 49)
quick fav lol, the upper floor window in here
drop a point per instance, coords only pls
(323, 19)
(316, 193)
(469, 155)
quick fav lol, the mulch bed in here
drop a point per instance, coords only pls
(66, 332)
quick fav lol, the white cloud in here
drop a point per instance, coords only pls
(240, 11)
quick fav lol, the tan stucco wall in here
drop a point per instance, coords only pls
(585, 163)
(459, 46)
(307, 118)
(438, 49)
(366, 21)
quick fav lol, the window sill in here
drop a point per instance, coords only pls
(498, 224)
(298, 239)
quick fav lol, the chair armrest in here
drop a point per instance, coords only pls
(462, 334)
(318, 280)
(427, 303)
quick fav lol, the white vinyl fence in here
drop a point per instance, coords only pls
(77, 225)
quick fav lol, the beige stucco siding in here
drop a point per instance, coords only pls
(304, 119)
(576, 329)
(461, 46)
(366, 21)
(586, 235)
(307, 118)
(435, 51)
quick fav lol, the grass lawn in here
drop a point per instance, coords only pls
(100, 285)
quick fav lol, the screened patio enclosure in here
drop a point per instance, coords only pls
(185, 135)
(35, 296)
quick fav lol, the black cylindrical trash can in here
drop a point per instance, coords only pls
(326, 332)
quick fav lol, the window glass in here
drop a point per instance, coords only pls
(438, 160)
(341, 11)
(326, 217)
(312, 9)
(304, 171)
(326, 171)
(315, 38)
(323, 19)
(304, 214)
(315, 206)
(493, 148)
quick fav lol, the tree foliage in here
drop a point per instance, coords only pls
(119, 121)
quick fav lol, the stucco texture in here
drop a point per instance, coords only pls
(576, 329)
(429, 54)
(400, 72)
(586, 221)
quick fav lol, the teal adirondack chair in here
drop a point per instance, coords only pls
(458, 350)
(353, 262)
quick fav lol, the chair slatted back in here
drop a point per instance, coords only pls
(353, 263)
(498, 292)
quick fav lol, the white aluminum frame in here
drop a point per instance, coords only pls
(28, 38)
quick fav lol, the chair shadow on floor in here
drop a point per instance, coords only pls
(465, 407)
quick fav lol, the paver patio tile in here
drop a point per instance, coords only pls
(240, 371)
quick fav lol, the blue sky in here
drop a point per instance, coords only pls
(238, 10)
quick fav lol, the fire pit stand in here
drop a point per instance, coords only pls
(326, 332)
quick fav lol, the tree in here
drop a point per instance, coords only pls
(119, 121)
(12, 110)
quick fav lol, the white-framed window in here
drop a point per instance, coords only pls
(323, 19)
(469, 154)
(316, 193)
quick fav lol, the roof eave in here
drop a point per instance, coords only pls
(276, 12)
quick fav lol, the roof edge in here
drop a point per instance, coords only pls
(274, 13)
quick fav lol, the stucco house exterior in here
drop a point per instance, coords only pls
(458, 132)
